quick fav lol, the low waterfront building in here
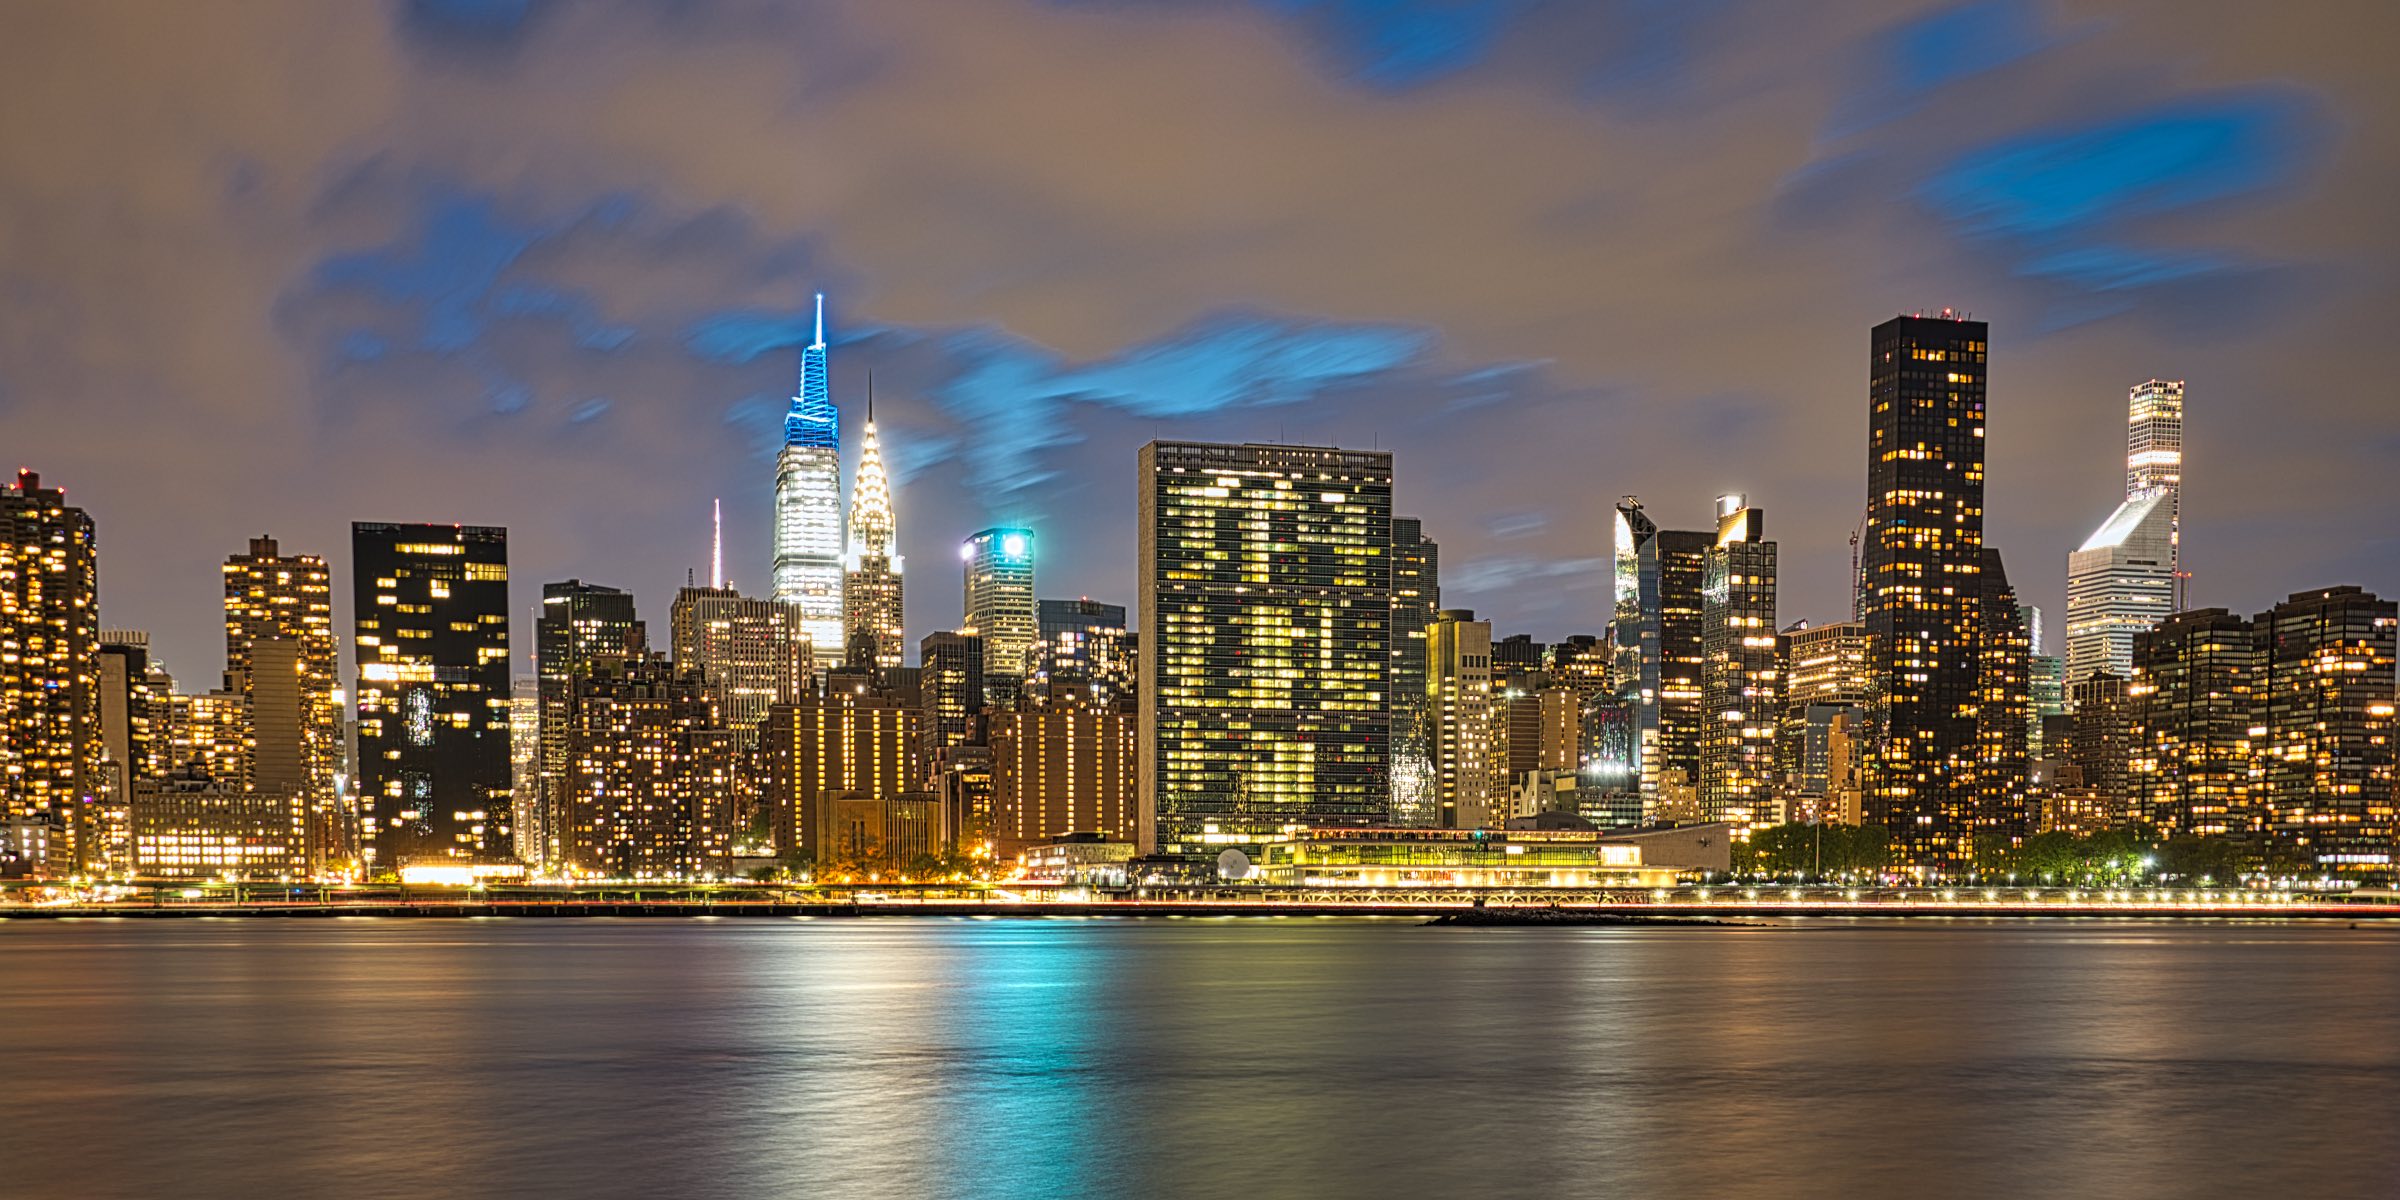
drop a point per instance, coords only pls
(193, 827)
(1085, 859)
(1484, 858)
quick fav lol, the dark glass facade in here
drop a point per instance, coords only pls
(431, 607)
(1921, 558)
(1266, 651)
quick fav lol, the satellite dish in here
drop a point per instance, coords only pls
(1233, 864)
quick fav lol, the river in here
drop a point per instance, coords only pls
(1237, 1057)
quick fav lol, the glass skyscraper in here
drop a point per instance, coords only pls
(1266, 645)
(999, 605)
(434, 774)
(1416, 596)
(2125, 578)
(808, 505)
(1740, 680)
(1657, 622)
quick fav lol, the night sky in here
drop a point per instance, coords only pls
(277, 266)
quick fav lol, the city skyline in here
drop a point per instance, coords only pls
(1809, 580)
(378, 305)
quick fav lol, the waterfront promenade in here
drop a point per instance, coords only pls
(1728, 902)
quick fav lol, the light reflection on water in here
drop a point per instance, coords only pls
(1195, 1058)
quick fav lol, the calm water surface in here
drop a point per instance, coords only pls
(1238, 1058)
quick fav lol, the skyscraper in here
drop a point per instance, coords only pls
(750, 653)
(431, 606)
(1923, 550)
(1000, 606)
(648, 787)
(2101, 746)
(1266, 646)
(1086, 642)
(49, 663)
(1741, 687)
(1063, 765)
(2046, 681)
(2120, 582)
(2003, 705)
(2154, 457)
(871, 598)
(1828, 689)
(847, 741)
(2127, 576)
(1470, 788)
(808, 505)
(2194, 698)
(132, 708)
(581, 625)
(2326, 792)
(1416, 596)
(280, 654)
(950, 686)
(1658, 577)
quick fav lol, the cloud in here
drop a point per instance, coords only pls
(1898, 69)
(1399, 44)
(1549, 254)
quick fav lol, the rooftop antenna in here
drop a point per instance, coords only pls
(716, 546)
(820, 320)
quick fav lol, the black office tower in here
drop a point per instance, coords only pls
(1922, 562)
(431, 604)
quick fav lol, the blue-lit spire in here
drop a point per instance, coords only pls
(813, 420)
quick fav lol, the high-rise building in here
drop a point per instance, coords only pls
(280, 653)
(2101, 748)
(431, 606)
(2003, 706)
(1416, 596)
(208, 737)
(1922, 550)
(1000, 606)
(1085, 642)
(950, 687)
(1820, 742)
(1063, 765)
(750, 653)
(2127, 576)
(1741, 680)
(1470, 789)
(2194, 699)
(1266, 648)
(2326, 792)
(2120, 582)
(581, 625)
(2154, 457)
(871, 593)
(2045, 682)
(49, 663)
(1657, 626)
(525, 771)
(132, 708)
(649, 790)
(846, 741)
(808, 505)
